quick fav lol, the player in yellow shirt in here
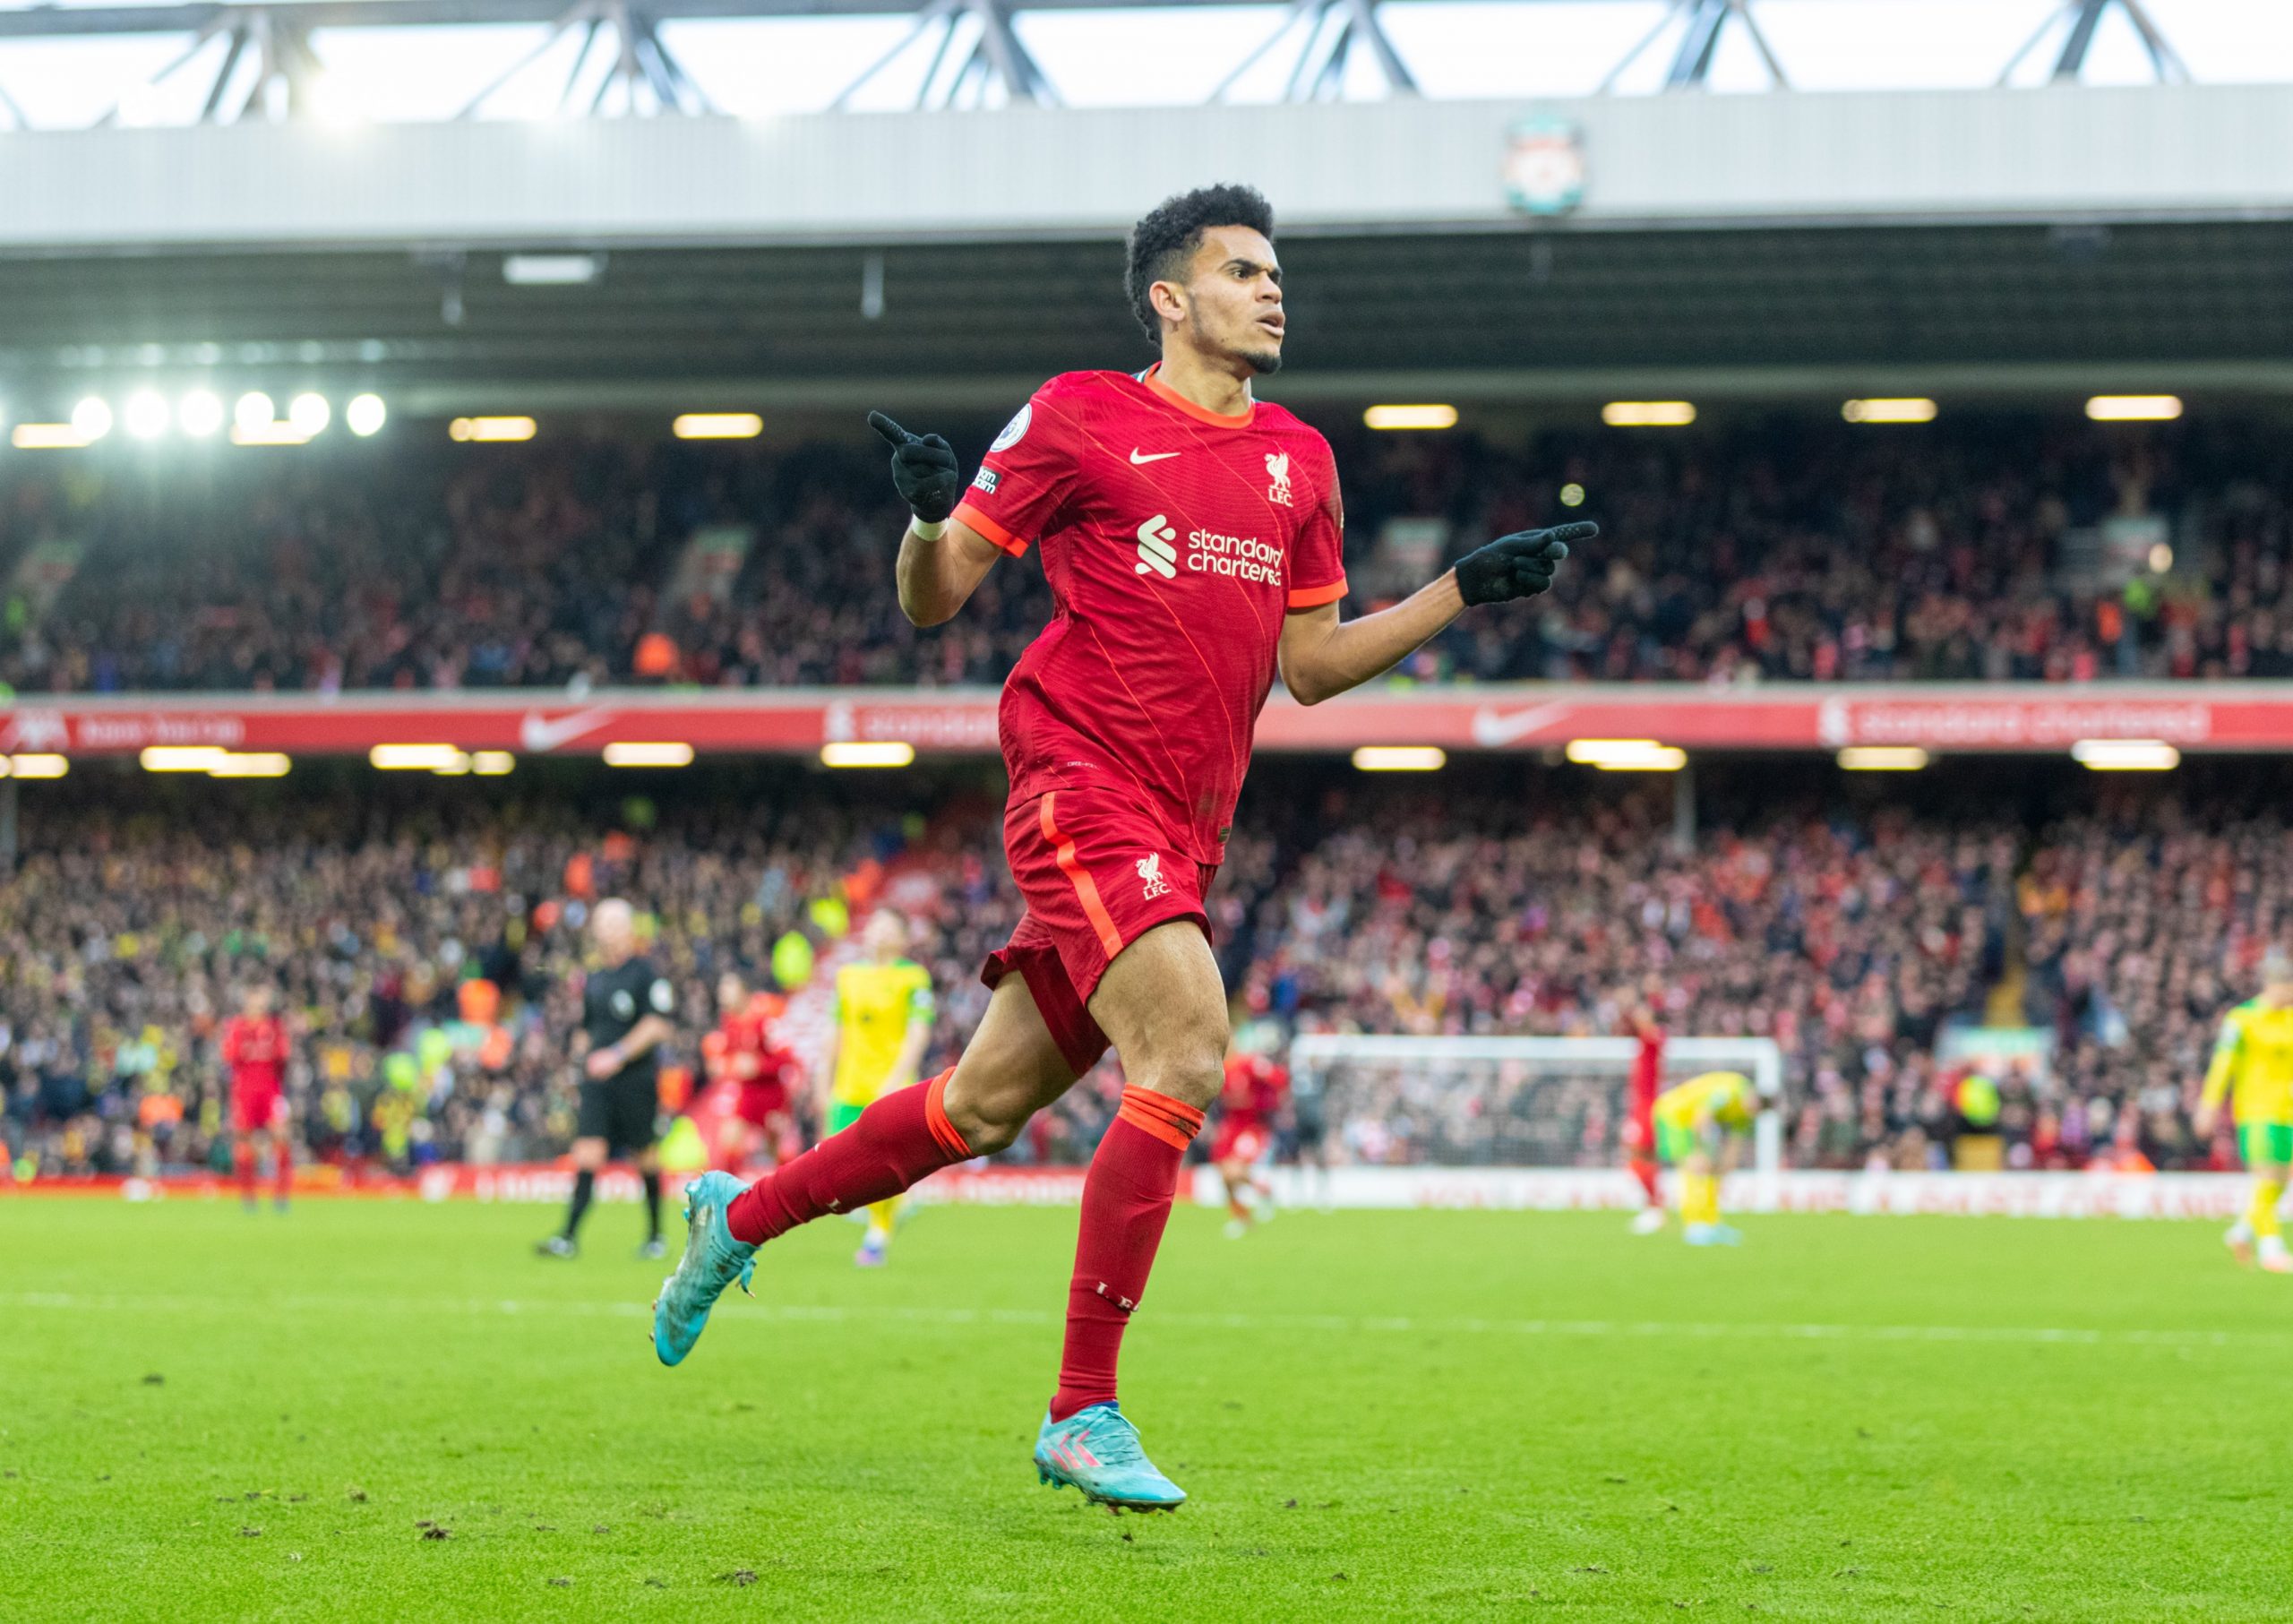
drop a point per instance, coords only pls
(1700, 1125)
(2252, 1064)
(878, 1031)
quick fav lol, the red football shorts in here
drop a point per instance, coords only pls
(1238, 1141)
(760, 1102)
(257, 1110)
(1638, 1134)
(1097, 873)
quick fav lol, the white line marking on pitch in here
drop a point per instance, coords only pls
(1335, 1324)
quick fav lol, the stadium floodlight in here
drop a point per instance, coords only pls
(490, 430)
(2125, 755)
(1648, 414)
(640, 753)
(414, 757)
(146, 414)
(867, 752)
(2134, 408)
(309, 414)
(1400, 758)
(365, 415)
(268, 433)
(1883, 758)
(1627, 755)
(492, 764)
(200, 412)
(1910, 408)
(1572, 495)
(92, 418)
(181, 758)
(47, 437)
(253, 411)
(553, 269)
(717, 426)
(39, 765)
(251, 764)
(1410, 417)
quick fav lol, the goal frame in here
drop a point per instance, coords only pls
(1760, 1058)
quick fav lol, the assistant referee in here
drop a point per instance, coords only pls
(625, 1009)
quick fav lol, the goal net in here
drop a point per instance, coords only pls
(1505, 1101)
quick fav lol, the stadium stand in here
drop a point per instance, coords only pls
(1997, 549)
(1852, 932)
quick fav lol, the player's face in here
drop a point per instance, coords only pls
(730, 994)
(887, 935)
(258, 1002)
(616, 930)
(1234, 298)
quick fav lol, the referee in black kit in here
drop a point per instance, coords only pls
(625, 1009)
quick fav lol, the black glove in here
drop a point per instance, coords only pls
(923, 469)
(1519, 565)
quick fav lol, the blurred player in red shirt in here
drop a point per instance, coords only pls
(1639, 1134)
(255, 1047)
(1249, 1102)
(1193, 538)
(745, 1053)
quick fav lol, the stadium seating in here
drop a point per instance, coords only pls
(1772, 550)
(1849, 937)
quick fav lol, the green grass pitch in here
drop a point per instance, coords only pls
(369, 1411)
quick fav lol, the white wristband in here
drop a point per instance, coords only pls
(929, 529)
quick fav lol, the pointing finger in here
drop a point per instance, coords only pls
(893, 434)
(1582, 530)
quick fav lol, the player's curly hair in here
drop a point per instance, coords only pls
(1162, 244)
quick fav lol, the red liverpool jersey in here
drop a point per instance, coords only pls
(256, 1052)
(1648, 1070)
(1253, 1091)
(1175, 539)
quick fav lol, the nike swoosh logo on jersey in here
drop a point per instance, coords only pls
(1138, 457)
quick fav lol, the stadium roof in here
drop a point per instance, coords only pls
(1516, 313)
(62, 66)
(2120, 238)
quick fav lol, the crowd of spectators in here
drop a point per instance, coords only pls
(1854, 939)
(2000, 548)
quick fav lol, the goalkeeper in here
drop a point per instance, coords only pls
(2252, 1064)
(1700, 1126)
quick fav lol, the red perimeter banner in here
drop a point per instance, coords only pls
(2043, 717)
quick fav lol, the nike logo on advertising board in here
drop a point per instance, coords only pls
(537, 735)
(1493, 730)
(1138, 457)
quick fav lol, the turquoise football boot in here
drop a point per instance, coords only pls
(712, 1261)
(1097, 1450)
(1713, 1234)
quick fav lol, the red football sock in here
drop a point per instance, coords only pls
(896, 1141)
(1126, 1202)
(243, 1165)
(1645, 1172)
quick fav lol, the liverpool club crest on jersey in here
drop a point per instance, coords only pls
(1277, 473)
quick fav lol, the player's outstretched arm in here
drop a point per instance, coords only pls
(942, 560)
(1322, 656)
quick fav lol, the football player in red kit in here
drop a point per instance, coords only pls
(1193, 539)
(1639, 1136)
(1249, 1102)
(745, 1051)
(255, 1047)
